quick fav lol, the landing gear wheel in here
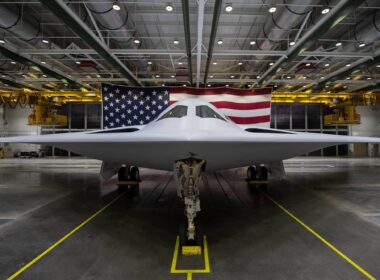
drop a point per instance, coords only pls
(263, 177)
(251, 173)
(134, 174)
(122, 174)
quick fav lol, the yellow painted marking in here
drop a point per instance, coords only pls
(48, 250)
(332, 247)
(127, 182)
(190, 272)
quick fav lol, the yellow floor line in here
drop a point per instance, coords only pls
(48, 250)
(332, 247)
(189, 272)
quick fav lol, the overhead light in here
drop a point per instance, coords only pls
(325, 11)
(272, 9)
(157, 76)
(98, 76)
(348, 65)
(232, 76)
(209, 85)
(258, 77)
(220, 41)
(227, 85)
(169, 8)
(45, 41)
(240, 63)
(136, 41)
(229, 8)
(172, 76)
(149, 62)
(338, 44)
(116, 6)
(307, 64)
(271, 63)
(44, 76)
(252, 43)
(176, 42)
(327, 64)
(2, 41)
(163, 85)
(43, 62)
(211, 76)
(345, 87)
(13, 62)
(180, 63)
(369, 78)
(77, 62)
(292, 43)
(378, 66)
(361, 45)
(322, 78)
(184, 85)
(25, 76)
(288, 77)
(215, 63)
(348, 78)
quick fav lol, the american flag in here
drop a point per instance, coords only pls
(128, 106)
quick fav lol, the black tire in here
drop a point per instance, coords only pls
(135, 174)
(121, 174)
(263, 173)
(251, 173)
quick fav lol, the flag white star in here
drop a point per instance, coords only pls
(112, 124)
(105, 108)
(147, 98)
(166, 102)
(129, 111)
(123, 116)
(135, 117)
(111, 104)
(129, 92)
(129, 102)
(147, 118)
(141, 112)
(160, 97)
(122, 106)
(123, 96)
(141, 122)
(117, 120)
(117, 90)
(141, 92)
(106, 118)
(147, 107)
(135, 97)
(105, 88)
(166, 92)
(111, 114)
(154, 93)
(135, 107)
(154, 102)
(117, 100)
(106, 98)
(111, 94)
(117, 110)
(129, 121)
(153, 112)
(141, 102)
(159, 107)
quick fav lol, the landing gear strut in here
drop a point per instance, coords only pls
(187, 173)
(128, 178)
(258, 176)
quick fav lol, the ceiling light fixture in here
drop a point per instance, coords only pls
(378, 66)
(348, 65)
(227, 85)
(292, 43)
(169, 8)
(229, 8)
(327, 64)
(176, 42)
(98, 76)
(369, 78)
(322, 78)
(307, 64)
(220, 41)
(163, 85)
(184, 85)
(272, 9)
(252, 43)
(232, 76)
(338, 44)
(288, 77)
(325, 11)
(211, 76)
(44, 76)
(361, 45)
(116, 6)
(258, 77)
(271, 63)
(136, 41)
(172, 76)
(45, 41)
(180, 63)
(240, 63)
(348, 78)
(2, 41)
(43, 62)
(150, 62)
(77, 62)
(215, 63)
(209, 85)
(13, 62)
(157, 76)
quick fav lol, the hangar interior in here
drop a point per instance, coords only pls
(321, 58)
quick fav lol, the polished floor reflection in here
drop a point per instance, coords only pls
(249, 237)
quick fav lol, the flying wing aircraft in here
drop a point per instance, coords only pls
(189, 137)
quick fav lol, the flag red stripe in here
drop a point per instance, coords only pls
(237, 106)
(216, 91)
(250, 120)
(241, 106)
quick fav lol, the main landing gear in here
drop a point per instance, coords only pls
(187, 173)
(128, 178)
(258, 176)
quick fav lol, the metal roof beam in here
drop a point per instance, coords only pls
(186, 25)
(60, 9)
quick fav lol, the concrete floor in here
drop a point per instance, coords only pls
(249, 237)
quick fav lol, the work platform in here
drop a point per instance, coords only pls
(58, 207)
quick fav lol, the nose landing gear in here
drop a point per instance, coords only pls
(128, 179)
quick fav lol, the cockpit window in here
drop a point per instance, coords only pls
(178, 111)
(204, 111)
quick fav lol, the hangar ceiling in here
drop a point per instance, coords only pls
(292, 45)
